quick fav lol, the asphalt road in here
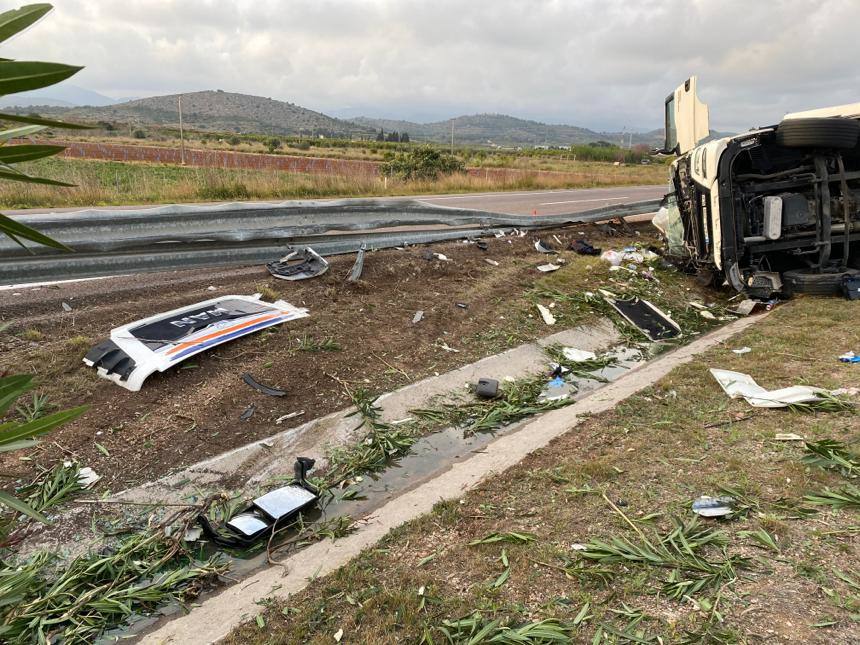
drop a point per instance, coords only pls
(541, 202)
(549, 202)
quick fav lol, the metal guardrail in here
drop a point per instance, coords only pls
(110, 242)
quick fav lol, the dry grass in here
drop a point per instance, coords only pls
(99, 183)
(649, 458)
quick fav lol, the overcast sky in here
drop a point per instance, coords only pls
(601, 64)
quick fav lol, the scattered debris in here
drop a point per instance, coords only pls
(482, 245)
(87, 477)
(577, 355)
(418, 317)
(646, 317)
(265, 389)
(291, 415)
(267, 512)
(444, 345)
(557, 390)
(491, 262)
(211, 287)
(487, 388)
(846, 391)
(738, 385)
(745, 307)
(850, 357)
(548, 318)
(713, 506)
(299, 265)
(157, 343)
(582, 247)
(787, 436)
(358, 267)
(543, 247)
(742, 350)
(66, 306)
(462, 305)
(548, 268)
(442, 257)
(248, 413)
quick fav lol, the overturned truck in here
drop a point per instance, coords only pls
(772, 211)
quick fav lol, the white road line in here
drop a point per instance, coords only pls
(580, 201)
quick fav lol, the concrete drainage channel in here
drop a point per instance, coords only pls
(442, 465)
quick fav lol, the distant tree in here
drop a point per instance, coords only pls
(380, 136)
(273, 144)
(424, 162)
(404, 137)
(139, 134)
(234, 141)
(393, 137)
(106, 125)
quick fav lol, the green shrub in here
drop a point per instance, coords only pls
(424, 163)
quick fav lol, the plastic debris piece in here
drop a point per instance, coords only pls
(742, 350)
(192, 534)
(647, 318)
(543, 247)
(87, 477)
(849, 357)
(547, 316)
(211, 287)
(444, 346)
(713, 506)
(298, 265)
(548, 268)
(482, 245)
(265, 389)
(491, 262)
(745, 307)
(462, 305)
(704, 313)
(582, 247)
(157, 343)
(556, 390)
(66, 306)
(418, 317)
(358, 267)
(248, 413)
(281, 502)
(291, 415)
(487, 388)
(846, 391)
(787, 436)
(577, 355)
(739, 385)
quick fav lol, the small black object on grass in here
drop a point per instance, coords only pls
(248, 413)
(487, 388)
(265, 389)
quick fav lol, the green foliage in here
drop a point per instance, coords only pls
(832, 455)
(16, 434)
(474, 630)
(21, 76)
(139, 134)
(422, 163)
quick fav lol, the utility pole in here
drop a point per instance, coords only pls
(452, 136)
(181, 135)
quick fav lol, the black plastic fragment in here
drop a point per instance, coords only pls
(265, 389)
(647, 318)
(582, 247)
(248, 413)
(108, 356)
(487, 388)
(299, 265)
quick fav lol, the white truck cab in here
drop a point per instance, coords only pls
(771, 211)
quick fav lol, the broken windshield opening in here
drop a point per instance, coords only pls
(671, 129)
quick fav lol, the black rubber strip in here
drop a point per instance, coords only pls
(265, 389)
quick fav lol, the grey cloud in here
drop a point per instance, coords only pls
(598, 63)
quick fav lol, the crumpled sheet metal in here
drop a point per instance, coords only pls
(739, 385)
(299, 265)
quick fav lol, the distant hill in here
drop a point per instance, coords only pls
(504, 130)
(60, 95)
(215, 110)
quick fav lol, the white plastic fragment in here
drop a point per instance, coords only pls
(787, 436)
(548, 268)
(87, 477)
(547, 316)
(742, 350)
(578, 355)
(442, 257)
(738, 385)
(66, 307)
(444, 346)
(491, 262)
(419, 315)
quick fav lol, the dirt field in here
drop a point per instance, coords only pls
(626, 477)
(193, 412)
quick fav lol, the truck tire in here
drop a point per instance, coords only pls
(822, 284)
(829, 132)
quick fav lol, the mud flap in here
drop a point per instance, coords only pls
(157, 343)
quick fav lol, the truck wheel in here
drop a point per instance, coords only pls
(822, 284)
(829, 132)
